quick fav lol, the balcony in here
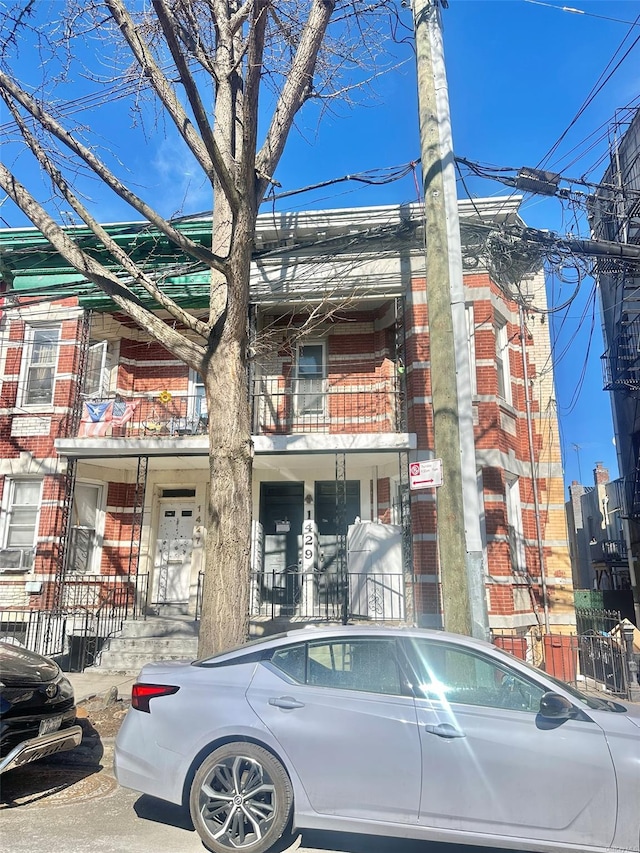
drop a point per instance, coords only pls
(278, 407)
(346, 404)
(161, 416)
(609, 551)
(621, 362)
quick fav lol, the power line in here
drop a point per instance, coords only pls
(597, 87)
(582, 12)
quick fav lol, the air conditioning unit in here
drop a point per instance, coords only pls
(15, 559)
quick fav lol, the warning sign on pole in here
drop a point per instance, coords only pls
(425, 475)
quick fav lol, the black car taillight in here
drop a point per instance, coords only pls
(142, 694)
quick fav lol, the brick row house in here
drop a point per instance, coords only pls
(104, 468)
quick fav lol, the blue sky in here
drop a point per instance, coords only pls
(518, 71)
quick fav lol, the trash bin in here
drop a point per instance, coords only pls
(82, 650)
(517, 646)
(561, 656)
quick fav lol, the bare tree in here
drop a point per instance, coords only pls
(201, 65)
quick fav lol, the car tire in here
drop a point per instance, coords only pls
(240, 799)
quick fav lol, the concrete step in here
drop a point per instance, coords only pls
(161, 627)
(143, 641)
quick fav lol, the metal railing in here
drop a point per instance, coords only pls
(91, 608)
(596, 621)
(593, 658)
(162, 416)
(609, 551)
(325, 596)
(347, 403)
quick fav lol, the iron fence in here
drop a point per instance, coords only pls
(326, 596)
(592, 620)
(593, 658)
(91, 608)
(345, 403)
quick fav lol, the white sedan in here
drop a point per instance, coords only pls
(397, 732)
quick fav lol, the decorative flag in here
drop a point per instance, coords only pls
(122, 412)
(95, 419)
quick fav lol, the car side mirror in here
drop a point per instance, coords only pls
(556, 707)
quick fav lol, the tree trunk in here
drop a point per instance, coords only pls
(225, 603)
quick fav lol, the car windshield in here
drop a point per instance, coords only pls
(596, 703)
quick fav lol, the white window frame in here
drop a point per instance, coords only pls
(305, 390)
(93, 565)
(515, 524)
(101, 387)
(197, 396)
(27, 552)
(27, 366)
(503, 365)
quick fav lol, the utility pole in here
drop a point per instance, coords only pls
(458, 512)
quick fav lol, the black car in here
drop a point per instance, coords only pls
(37, 708)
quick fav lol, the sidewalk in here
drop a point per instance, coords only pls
(88, 683)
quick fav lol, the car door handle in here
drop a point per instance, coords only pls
(444, 730)
(287, 702)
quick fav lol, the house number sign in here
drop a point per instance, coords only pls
(309, 545)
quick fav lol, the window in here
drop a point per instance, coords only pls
(502, 361)
(83, 538)
(367, 665)
(39, 374)
(198, 407)
(19, 534)
(514, 525)
(454, 675)
(96, 378)
(311, 373)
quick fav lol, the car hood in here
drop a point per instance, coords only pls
(20, 666)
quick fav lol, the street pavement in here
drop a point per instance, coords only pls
(100, 817)
(92, 682)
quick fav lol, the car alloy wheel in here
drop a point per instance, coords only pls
(240, 799)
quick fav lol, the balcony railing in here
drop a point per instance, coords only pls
(621, 362)
(162, 416)
(609, 551)
(349, 404)
(279, 407)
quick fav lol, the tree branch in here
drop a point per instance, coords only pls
(183, 348)
(253, 78)
(169, 26)
(201, 253)
(117, 253)
(295, 90)
(211, 163)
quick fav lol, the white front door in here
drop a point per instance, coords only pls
(174, 547)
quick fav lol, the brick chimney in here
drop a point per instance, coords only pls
(600, 474)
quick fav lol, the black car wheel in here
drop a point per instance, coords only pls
(240, 799)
